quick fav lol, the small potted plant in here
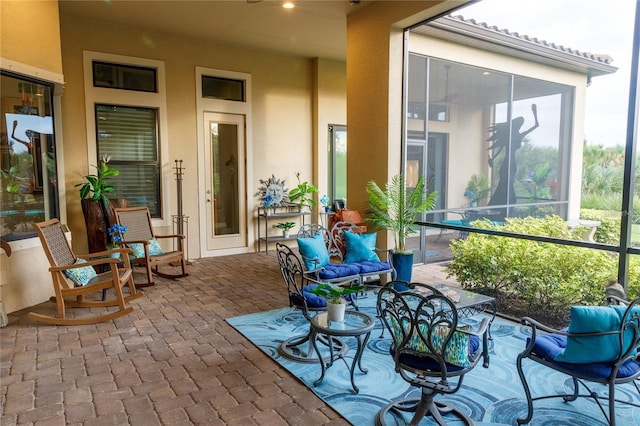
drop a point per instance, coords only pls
(302, 193)
(324, 200)
(115, 234)
(286, 228)
(336, 295)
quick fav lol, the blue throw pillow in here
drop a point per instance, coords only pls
(360, 247)
(314, 251)
(586, 350)
(81, 276)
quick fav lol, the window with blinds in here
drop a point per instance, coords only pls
(129, 135)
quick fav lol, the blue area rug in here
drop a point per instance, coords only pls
(491, 396)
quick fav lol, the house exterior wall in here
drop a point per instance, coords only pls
(467, 157)
(283, 111)
(30, 34)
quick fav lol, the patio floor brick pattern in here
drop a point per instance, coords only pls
(173, 361)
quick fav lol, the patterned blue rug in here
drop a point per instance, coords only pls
(491, 396)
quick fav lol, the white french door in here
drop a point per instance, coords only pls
(225, 186)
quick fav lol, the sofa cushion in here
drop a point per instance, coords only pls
(338, 270)
(360, 247)
(314, 251)
(368, 267)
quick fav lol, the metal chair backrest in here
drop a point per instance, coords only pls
(138, 223)
(338, 246)
(54, 243)
(294, 277)
(417, 319)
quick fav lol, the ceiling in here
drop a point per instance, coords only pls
(314, 28)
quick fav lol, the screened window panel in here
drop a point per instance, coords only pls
(129, 135)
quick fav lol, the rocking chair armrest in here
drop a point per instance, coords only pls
(180, 236)
(146, 242)
(101, 261)
(105, 253)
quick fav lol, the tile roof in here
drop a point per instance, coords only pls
(601, 58)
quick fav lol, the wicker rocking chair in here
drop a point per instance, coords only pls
(140, 231)
(64, 263)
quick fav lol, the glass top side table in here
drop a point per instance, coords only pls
(356, 324)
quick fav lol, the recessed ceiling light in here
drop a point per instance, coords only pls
(486, 73)
(288, 5)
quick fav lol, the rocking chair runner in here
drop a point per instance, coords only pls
(140, 231)
(62, 259)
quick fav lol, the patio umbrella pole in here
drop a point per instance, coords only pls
(180, 220)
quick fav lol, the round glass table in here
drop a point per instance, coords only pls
(356, 324)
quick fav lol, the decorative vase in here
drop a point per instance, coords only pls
(97, 219)
(327, 209)
(474, 204)
(403, 263)
(335, 311)
(286, 233)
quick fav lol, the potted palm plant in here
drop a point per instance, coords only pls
(335, 295)
(396, 209)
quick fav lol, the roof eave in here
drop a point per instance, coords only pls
(506, 43)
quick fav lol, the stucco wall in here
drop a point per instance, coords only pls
(30, 34)
(282, 108)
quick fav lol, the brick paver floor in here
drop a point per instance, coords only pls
(173, 361)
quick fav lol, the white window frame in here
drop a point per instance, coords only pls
(102, 95)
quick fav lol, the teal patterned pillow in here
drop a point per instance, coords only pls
(81, 276)
(138, 248)
(154, 247)
(457, 351)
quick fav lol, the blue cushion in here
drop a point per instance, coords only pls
(360, 247)
(587, 350)
(338, 270)
(313, 300)
(367, 267)
(548, 346)
(314, 251)
(81, 276)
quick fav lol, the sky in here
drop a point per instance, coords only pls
(595, 26)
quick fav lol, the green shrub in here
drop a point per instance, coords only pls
(545, 276)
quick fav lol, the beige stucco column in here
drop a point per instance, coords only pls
(30, 34)
(374, 91)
